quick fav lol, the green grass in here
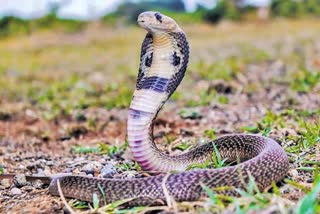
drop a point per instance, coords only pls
(304, 80)
(310, 203)
(101, 148)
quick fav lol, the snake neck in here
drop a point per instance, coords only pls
(164, 59)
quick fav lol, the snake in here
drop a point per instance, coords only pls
(163, 62)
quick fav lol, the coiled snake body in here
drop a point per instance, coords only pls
(164, 59)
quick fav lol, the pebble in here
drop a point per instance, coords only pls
(129, 175)
(15, 191)
(108, 171)
(27, 188)
(5, 183)
(67, 170)
(92, 167)
(20, 180)
(293, 173)
(38, 184)
(40, 172)
(102, 161)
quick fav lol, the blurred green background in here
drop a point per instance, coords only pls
(126, 12)
(59, 64)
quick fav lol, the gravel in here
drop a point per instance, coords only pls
(5, 183)
(15, 191)
(20, 180)
(108, 171)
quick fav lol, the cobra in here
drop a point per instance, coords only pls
(164, 59)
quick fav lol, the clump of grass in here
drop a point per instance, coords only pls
(309, 136)
(252, 54)
(117, 207)
(223, 99)
(210, 133)
(304, 80)
(128, 166)
(301, 146)
(85, 149)
(79, 204)
(214, 161)
(204, 99)
(101, 148)
(62, 98)
(250, 200)
(95, 201)
(311, 202)
(224, 69)
(1, 169)
(183, 146)
(266, 124)
(190, 113)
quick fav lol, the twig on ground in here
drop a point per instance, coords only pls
(169, 199)
(64, 199)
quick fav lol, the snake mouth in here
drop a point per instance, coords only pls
(142, 23)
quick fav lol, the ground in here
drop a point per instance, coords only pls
(64, 99)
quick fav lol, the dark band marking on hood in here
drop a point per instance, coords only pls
(158, 84)
(175, 59)
(182, 42)
(158, 17)
(147, 45)
(148, 60)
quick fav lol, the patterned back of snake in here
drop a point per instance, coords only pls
(164, 59)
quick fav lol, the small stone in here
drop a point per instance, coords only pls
(15, 191)
(20, 180)
(67, 170)
(76, 171)
(51, 163)
(27, 188)
(40, 172)
(293, 173)
(108, 171)
(92, 167)
(47, 171)
(102, 161)
(43, 172)
(5, 183)
(129, 174)
(38, 184)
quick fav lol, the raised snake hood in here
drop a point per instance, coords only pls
(155, 22)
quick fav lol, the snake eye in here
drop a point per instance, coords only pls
(158, 17)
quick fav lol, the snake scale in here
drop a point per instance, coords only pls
(164, 59)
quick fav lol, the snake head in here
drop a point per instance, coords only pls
(155, 22)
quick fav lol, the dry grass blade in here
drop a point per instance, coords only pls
(64, 199)
(169, 199)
